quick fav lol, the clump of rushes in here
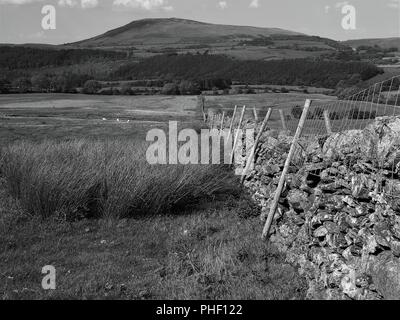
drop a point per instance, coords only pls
(88, 179)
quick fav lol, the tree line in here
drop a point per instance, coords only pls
(307, 72)
(181, 73)
(66, 82)
(18, 57)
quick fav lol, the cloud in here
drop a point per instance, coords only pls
(85, 4)
(254, 4)
(222, 5)
(143, 4)
(62, 3)
(68, 3)
(18, 2)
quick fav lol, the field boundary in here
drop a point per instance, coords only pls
(315, 120)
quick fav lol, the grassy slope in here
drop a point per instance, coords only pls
(212, 251)
(172, 31)
(208, 253)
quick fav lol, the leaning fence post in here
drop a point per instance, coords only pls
(283, 120)
(232, 121)
(237, 134)
(253, 150)
(278, 191)
(327, 122)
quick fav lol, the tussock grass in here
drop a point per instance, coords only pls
(87, 178)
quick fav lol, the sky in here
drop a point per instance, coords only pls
(21, 20)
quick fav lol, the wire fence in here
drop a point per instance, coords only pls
(332, 122)
(324, 117)
(341, 121)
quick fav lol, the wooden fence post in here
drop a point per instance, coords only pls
(222, 120)
(237, 134)
(253, 150)
(202, 102)
(232, 121)
(327, 122)
(278, 191)
(283, 120)
(255, 115)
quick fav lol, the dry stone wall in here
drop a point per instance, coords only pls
(338, 218)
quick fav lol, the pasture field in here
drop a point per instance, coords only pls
(117, 244)
(66, 116)
(264, 100)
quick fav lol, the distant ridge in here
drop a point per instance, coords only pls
(176, 31)
(385, 43)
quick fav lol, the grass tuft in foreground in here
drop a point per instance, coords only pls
(86, 178)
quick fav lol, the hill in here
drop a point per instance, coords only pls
(174, 50)
(177, 31)
(149, 37)
(384, 43)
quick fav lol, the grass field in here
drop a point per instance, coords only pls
(344, 114)
(65, 116)
(205, 247)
